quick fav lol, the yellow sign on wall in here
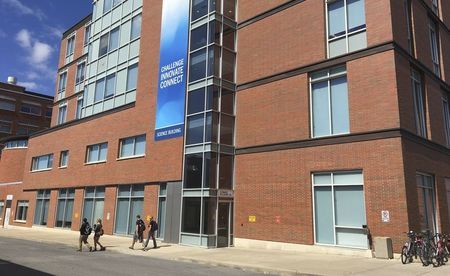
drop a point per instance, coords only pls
(251, 218)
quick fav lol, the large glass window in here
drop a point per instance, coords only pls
(446, 115)
(339, 209)
(136, 23)
(130, 201)
(42, 205)
(330, 111)
(2, 206)
(94, 202)
(21, 210)
(199, 9)
(132, 77)
(434, 44)
(30, 109)
(7, 105)
(5, 127)
(346, 26)
(16, 144)
(114, 39)
(419, 108)
(64, 208)
(110, 85)
(447, 188)
(426, 202)
(80, 102)
(62, 114)
(107, 5)
(134, 146)
(87, 35)
(191, 215)
(97, 153)
(162, 207)
(81, 72)
(104, 40)
(70, 45)
(42, 162)
(62, 82)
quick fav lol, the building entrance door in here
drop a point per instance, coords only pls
(7, 213)
(224, 224)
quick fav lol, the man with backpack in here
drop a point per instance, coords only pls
(85, 231)
(153, 226)
(139, 231)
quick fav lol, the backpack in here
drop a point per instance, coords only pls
(141, 225)
(101, 232)
(155, 226)
(88, 229)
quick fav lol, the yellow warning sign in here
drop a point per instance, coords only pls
(251, 218)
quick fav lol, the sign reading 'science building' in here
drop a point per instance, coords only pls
(172, 70)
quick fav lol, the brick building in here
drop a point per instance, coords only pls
(277, 123)
(22, 112)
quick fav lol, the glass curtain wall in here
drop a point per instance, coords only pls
(64, 209)
(162, 207)
(94, 202)
(42, 204)
(210, 119)
(130, 202)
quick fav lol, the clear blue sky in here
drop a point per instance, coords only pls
(30, 34)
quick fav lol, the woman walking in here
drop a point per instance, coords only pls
(98, 232)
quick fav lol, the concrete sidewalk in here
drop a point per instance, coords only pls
(265, 261)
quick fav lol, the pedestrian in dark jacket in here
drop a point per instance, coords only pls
(139, 231)
(98, 232)
(152, 227)
(85, 231)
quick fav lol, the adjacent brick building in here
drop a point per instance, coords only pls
(306, 123)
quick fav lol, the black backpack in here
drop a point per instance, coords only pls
(88, 229)
(141, 225)
(155, 226)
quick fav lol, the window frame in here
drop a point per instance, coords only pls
(446, 119)
(30, 108)
(80, 75)
(89, 149)
(35, 161)
(434, 46)
(4, 123)
(419, 103)
(62, 116)
(63, 159)
(70, 42)
(134, 155)
(23, 213)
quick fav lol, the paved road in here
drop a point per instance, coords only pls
(19, 257)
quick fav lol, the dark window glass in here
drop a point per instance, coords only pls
(226, 129)
(198, 65)
(228, 37)
(214, 32)
(196, 101)
(103, 45)
(212, 121)
(210, 170)
(228, 59)
(198, 37)
(199, 8)
(214, 5)
(213, 61)
(226, 172)
(212, 98)
(195, 129)
(229, 9)
(193, 171)
(227, 101)
(191, 215)
(209, 215)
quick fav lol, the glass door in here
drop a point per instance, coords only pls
(223, 224)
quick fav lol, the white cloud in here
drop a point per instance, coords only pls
(57, 32)
(29, 85)
(41, 52)
(21, 8)
(23, 37)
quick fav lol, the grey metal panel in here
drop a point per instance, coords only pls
(173, 212)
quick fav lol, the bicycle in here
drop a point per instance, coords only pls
(428, 254)
(411, 248)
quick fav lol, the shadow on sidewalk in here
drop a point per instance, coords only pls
(8, 268)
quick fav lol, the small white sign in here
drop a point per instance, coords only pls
(107, 216)
(385, 217)
(9, 197)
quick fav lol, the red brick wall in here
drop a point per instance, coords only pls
(109, 208)
(18, 194)
(250, 8)
(278, 183)
(12, 162)
(421, 33)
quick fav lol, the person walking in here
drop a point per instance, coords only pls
(98, 232)
(85, 231)
(139, 231)
(153, 226)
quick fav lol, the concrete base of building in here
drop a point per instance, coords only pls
(301, 248)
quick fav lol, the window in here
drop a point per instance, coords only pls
(81, 72)
(116, 2)
(2, 205)
(134, 146)
(130, 201)
(62, 82)
(330, 112)
(419, 109)
(446, 110)
(26, 129)
(87, 34)
(162, 200)
(21, 210)
(114, 39)
(30, 109)
(136, 27)
(62, 114)
(7, 105)
(435, 7)
(64, 208)
(79, 107)
(339, 209)
(5, 127)
(346, 26)
(107, 4)
(97, 153)
(103, 45)
(64, 159)
(447, 188)
(434, 43)
(132, 77)
(109, 42)
(94, 201)
(99, 90)
(426, 202)
(42, 206)
(16, 144)
(70, 45)
(110, 85)
(48, 112)
(43, 162)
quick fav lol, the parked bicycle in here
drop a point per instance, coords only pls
(412, 248)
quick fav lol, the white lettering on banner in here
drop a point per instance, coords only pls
(172, 74)
(168, 132)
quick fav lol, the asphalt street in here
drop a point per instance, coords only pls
(20, 257)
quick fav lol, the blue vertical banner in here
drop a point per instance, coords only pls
(172, 69)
